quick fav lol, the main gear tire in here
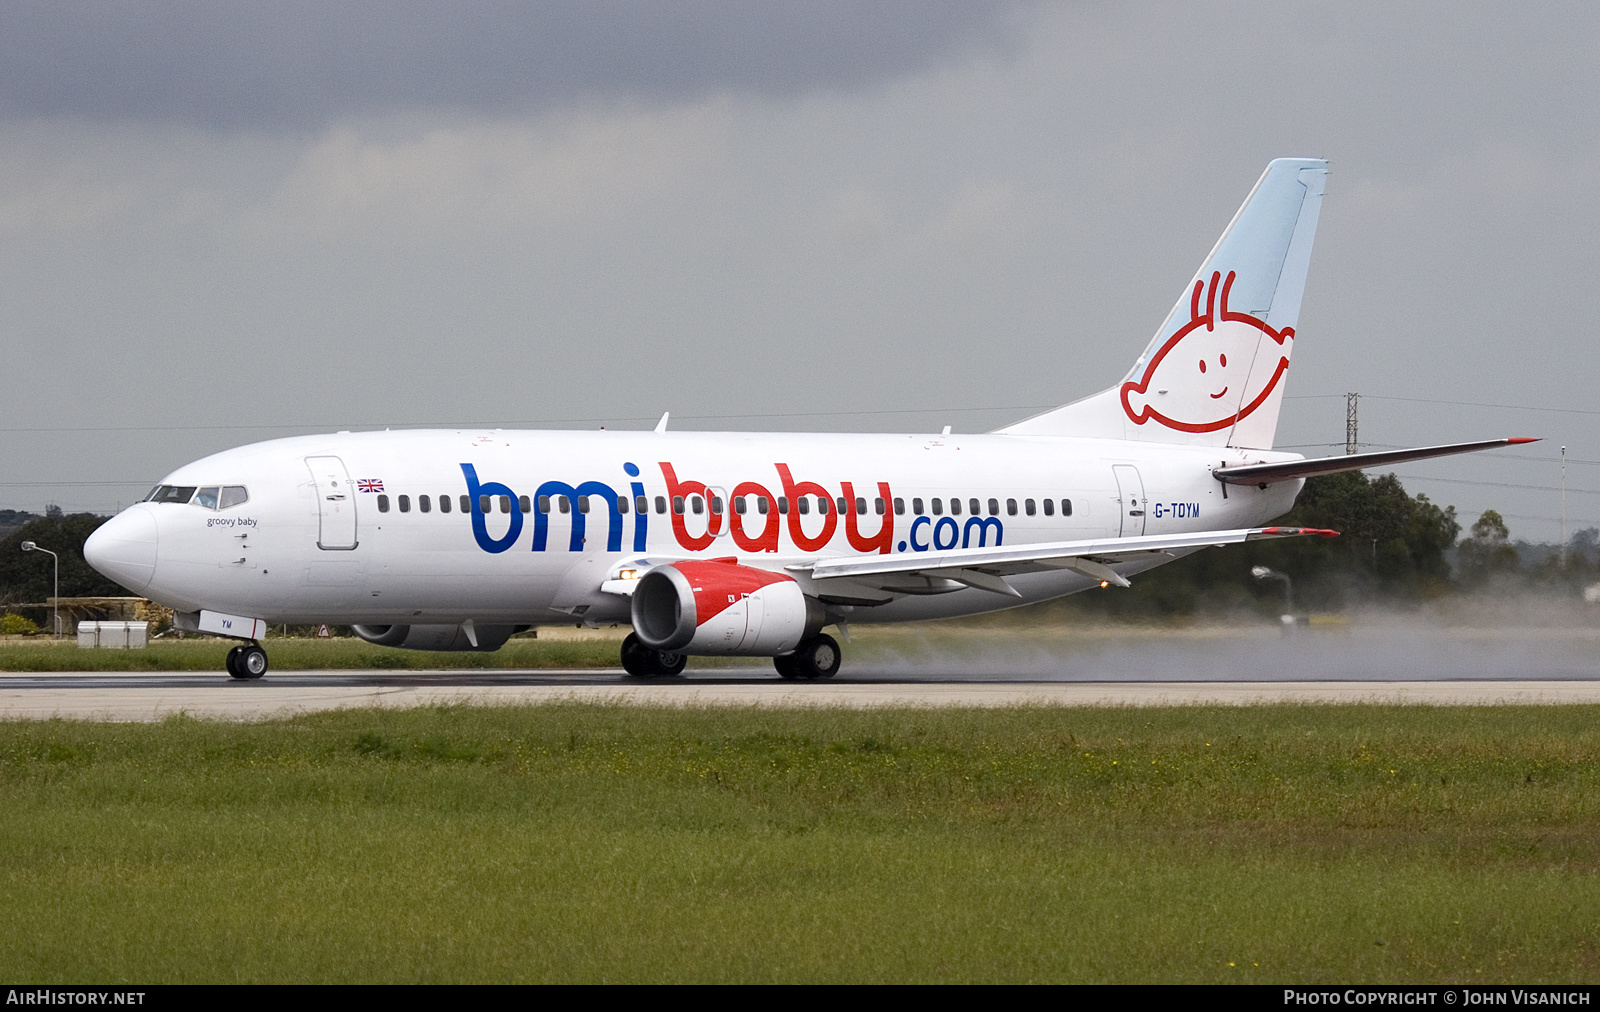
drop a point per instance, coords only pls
(817, 657)
(638, 660)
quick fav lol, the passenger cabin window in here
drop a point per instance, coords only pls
(975, 507)
(524, 504)
(955, 507)
(622, 504)
(697, 504)
(232, 495)
(1029, 507)
(641, 504)
(783, 505)
(843, 504)
(804, 502)
(1066, 507)
(899, 507)
(583, 504)
(563, 504)
(424, 503)
(938, 507)
(207, 497)
(1011, 507)
(1049, 507)
(544, 504)
(994, 508)
(466, 503)
(677, 505)
(405, 504)
(916, 506)
(716, 505)
(444, 504)
(762, 505)
(383, 504)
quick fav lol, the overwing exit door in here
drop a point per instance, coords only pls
(336, 504)
(1130, 496)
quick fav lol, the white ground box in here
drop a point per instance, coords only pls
(114, 635)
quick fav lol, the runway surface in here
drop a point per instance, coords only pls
(1223, 665)
(154, 696)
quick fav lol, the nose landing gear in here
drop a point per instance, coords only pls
(247, 662)
(642, 662)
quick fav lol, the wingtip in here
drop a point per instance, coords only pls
(1524, 439)
(1291, 532)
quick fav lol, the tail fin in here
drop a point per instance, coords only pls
(1214, 373)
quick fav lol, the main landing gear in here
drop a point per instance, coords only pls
(817, 657)
(642, 662)
(247, 662)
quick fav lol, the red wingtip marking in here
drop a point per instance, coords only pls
(1524, 439)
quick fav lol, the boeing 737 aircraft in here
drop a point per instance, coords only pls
(753, 543)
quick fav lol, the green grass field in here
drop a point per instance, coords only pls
(610, 843)
(295, 654)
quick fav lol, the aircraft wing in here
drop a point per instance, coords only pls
(1288, 470)
(985, 568)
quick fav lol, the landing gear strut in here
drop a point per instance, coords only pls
(247, 662)
(817, 657)
(642, 662)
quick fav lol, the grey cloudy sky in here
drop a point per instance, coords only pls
(220, 223)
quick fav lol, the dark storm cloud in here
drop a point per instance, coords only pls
(298, 63)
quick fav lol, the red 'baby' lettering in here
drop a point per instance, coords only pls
(767, 540)
(793, 489)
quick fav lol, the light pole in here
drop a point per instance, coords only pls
(1263, 573)
(55, 607)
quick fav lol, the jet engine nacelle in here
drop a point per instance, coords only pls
(435, 637)
(722, 608)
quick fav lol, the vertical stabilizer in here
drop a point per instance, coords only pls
(1215, 372)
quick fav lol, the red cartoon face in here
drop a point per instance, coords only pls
(1214, 371)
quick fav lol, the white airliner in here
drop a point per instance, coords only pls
(753, 543)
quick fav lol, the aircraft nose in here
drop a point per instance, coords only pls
(124, 548)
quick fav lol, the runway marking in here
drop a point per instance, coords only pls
(124, 698)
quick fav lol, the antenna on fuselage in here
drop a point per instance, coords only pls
(661, 426)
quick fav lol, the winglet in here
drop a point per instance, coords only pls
(661, 426)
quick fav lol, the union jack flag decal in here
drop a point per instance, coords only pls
(369, 485)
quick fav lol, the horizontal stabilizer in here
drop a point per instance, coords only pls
(1289, 470)
(981, 567)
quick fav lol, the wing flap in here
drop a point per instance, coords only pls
(985, 568)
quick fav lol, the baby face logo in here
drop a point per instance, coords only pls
(1202, 379)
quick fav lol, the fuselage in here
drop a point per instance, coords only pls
(527, 527)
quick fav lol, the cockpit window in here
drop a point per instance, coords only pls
(232, 495)
(172, 493)
(207, 497)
